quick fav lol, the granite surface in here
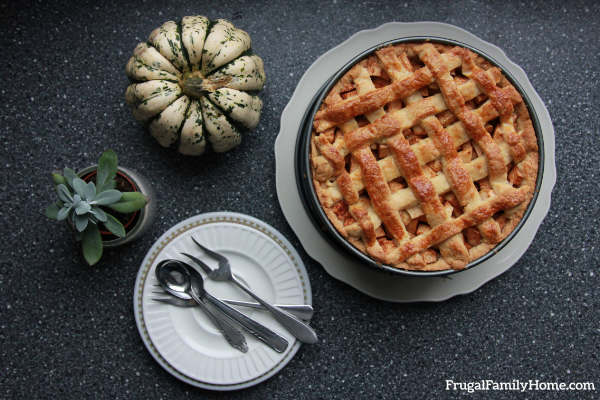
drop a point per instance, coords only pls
(68, 330)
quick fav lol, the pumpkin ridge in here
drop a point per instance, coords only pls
(165, 132)
(239, 78)
(195, 141)
(211, 25)
(195, 25)
(236, 124)
(168, 39)
(149, 121)
(237, 130)
(150, 67)
(150, 56)
(175, 144)
(149, 43)
(156, 94)
(183, 48)
(231, 35)
(248, 52)
(140, 100)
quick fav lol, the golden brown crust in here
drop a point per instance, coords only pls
(424, 156)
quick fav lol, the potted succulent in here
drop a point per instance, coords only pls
(105, 205)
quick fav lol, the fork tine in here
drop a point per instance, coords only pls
(201, 263)
(174, 302)
(163, 300)
(211, 253)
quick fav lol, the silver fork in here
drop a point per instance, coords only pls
(299, 329)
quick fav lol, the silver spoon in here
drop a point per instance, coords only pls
(176, 282)
(196, 290)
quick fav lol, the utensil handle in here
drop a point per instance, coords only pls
(302, 311)
(299, 329)
(261, 332)
(232, 334)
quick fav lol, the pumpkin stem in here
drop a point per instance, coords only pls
(195, 85)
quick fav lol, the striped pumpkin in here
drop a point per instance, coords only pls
(195, 82)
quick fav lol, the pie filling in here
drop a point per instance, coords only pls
(424, 156)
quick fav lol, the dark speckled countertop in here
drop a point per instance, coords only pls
(68, 331)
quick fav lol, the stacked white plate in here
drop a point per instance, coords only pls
(182, 339)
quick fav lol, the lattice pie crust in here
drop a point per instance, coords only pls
(424, 156)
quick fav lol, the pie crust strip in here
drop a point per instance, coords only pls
(360, 211)
(453, 249)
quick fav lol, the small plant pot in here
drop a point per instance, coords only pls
(136, 223)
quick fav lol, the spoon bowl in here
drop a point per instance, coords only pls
(173, 276)
(180, 279)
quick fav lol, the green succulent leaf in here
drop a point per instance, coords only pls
(76, 201)
(98, 213)
(81, 222)
(108, 197)
(106, 171)
(79, 185)
(83, 208)
(58, 179)
(64, 194)
(63, 213)
(130, 202)
(91, 244)
(52, 210)
(113, 225)
(69, 175)
(90, 191)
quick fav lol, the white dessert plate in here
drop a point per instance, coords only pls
(183, 340)
(339, 264)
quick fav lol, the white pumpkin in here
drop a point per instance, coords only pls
(190, 84)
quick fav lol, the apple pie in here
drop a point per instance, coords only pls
(424, 156)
